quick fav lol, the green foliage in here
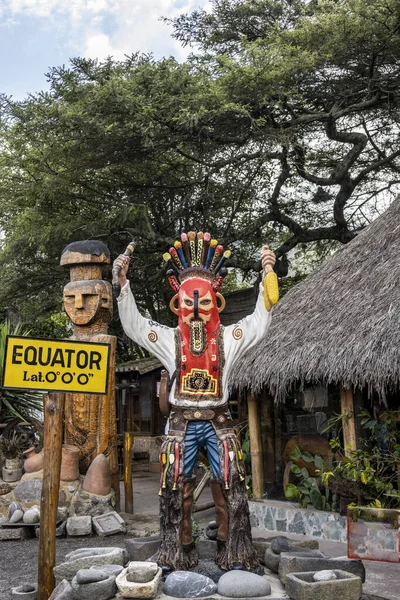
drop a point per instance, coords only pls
(15, 403)
(11, 447)
(372, 472)
(282, 128)
(309, 490)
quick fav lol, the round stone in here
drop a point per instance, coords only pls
(12, 508)
(280, 544)
(324, 575)
(91, 575)
(242, 584)
(31, 516)
(17, 516)
(186, 584)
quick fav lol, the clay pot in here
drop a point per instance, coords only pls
(33, 462)
(69, 463)
(98, 477)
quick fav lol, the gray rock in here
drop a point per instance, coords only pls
(298, 563)
(210, 569)
(271, 560)
(133, 589)
(16, 533)
(98, 590)
(12, 508)
(90, 508)
(110, 569)
(280, 544)
(63, 591)
(88, 557)
(60, 530)
(25, 592)
(17, 516)
(109, 524)
(211, 533)
(91, 575)
(301, 586)
(32, 515)
(62, 512)
(29, 490)
(206, 549)
(186, 584)
(324, 575)
(142, 548)
(141, 572)
(241, 584)
(78, 526)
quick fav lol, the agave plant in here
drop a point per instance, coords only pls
(14, 403)
(11, 447)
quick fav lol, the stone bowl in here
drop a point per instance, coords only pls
(301, 586)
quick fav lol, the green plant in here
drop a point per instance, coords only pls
(11, 447)
(309, 490)
(15, 403)
(369, 475)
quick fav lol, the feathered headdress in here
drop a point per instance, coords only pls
(196, 255)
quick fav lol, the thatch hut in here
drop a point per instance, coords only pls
(339, 327)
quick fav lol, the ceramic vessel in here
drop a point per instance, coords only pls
(69, 463)
(33, 461)
(98, 477)
(13, 463)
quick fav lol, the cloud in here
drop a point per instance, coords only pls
(100, 28)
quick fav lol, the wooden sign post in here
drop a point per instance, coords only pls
(53, 437)
(64, 366)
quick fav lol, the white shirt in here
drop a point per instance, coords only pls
(160, 341)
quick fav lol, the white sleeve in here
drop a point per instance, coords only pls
(248, 332)
(154, 337)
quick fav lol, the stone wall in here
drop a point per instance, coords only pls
(287, 518)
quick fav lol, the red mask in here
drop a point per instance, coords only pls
(198, 337)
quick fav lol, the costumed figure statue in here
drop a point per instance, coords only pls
(199, 356)
(90, 419)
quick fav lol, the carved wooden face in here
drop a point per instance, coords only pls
(83, 300)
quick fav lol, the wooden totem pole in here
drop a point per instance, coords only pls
(90, 419)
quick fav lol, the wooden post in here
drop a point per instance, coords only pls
(128, 472)
(347, 411)
(52, 446)
(255, 446)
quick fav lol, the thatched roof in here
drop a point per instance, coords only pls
(341, 324)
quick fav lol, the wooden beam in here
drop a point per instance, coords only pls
(128, 439)
(349, 429)
(52, 446)
(256, 453)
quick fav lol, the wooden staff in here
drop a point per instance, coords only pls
(53, 405)
(128, 472)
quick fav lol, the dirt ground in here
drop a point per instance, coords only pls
(18, 559)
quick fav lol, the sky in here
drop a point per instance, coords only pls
(38, 34)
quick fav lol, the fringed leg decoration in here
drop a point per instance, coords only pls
(176, 497)
(238, 547)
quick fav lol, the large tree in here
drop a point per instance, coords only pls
(282, 126)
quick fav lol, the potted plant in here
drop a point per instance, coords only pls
(11, 451)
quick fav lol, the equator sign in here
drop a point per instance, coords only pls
(55, 365)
